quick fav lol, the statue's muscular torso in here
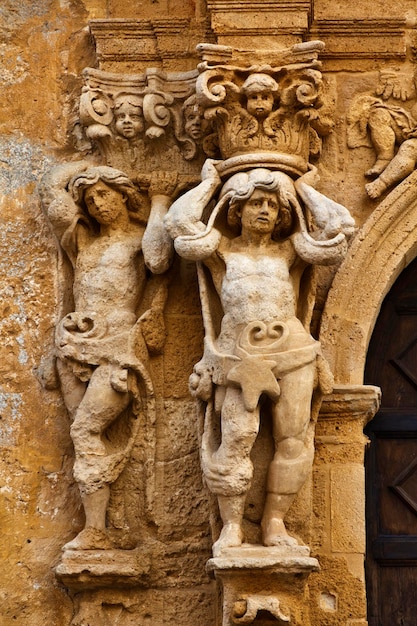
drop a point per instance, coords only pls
(110, 276)
(254, 284)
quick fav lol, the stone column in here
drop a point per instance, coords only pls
(338, 591)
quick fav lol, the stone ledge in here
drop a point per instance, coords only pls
(279, 560)
(351, 401)
(91, 569)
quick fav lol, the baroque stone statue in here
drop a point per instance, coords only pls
(378, 121)
(102, 342)
(260, 358)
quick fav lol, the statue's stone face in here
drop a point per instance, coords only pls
(104, 203)
(129, 120)
(192, 124)
(260, 103)
(260, 212)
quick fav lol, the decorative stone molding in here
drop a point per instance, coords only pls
(233, 21)
(356, 40)
(380, 251)
(98, 569)
(130, 45)
(351, 402)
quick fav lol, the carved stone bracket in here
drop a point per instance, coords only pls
(122, 44)
(141, 122)
(97, 569)
(263, 585)
(268, 102)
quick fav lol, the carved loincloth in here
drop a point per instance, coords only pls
(84, 343)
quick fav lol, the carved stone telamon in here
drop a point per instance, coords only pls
(267, 227)
(103, 339)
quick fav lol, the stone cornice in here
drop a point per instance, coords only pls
(260, 5)
(146, 41)
(370, 38)
(351, 402)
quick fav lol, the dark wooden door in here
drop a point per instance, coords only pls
(391, 460)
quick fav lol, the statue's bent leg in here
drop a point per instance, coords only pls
(401, 166)
(231, 468)
(294, 452)
(383, 139)
(100, 406)
(73, 389)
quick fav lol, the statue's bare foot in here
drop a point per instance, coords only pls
(376, 188)
(275, 534)
(230, 537)
(377, 168)
(90, 539)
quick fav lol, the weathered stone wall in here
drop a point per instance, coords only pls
(44, 46)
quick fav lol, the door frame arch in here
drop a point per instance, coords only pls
(381, 250)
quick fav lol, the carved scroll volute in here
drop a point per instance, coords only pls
(96, 112)
(213, 86)
(157, 113)
(300, 100)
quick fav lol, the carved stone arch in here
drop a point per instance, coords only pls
(383, 247)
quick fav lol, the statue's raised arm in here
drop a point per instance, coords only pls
(256, 232)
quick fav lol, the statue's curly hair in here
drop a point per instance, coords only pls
(241, 186)
(117, 180)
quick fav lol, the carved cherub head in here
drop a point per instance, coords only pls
(114, 180)
(260, 91)
(128, 115)
(193, 117)
(241, 188)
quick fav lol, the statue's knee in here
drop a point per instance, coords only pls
(289, 448)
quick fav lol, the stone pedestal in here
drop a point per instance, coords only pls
(263, 585)
(92, 569)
